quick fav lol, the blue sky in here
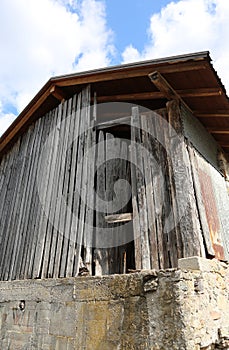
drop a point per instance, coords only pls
(130, 19)
(40, 39)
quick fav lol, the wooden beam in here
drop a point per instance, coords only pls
(183, 67)
(58, 93)
(132, 72)
(162, 85)
(154, 95)
(114, 122)
(208, 114)
(218, 130)
(110, 219)
(203, 92)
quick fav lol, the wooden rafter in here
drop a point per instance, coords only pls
(201, 92)
(218, 129)
(154, 95)
(58, 93)
(130, 73)
(219, 114)
(119, 218)
(162, 85)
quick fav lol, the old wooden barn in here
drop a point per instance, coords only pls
(118, 169)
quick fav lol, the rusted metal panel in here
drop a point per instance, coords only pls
(211, 211)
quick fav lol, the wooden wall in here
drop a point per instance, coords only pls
(51, 186)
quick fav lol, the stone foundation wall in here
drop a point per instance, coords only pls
(183, 309)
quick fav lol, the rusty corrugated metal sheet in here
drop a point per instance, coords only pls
(212, 214)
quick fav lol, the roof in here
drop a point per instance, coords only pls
(192, 76)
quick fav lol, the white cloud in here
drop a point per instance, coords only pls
(189, 26)
(131, 54)
(5, 120)
(42, 38)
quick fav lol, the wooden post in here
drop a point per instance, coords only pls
(183, 192)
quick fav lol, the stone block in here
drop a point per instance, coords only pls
(195, 263)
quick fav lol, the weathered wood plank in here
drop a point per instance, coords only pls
(20, 225)
(141, 195)
(57, 218)
(112, 123)
(110, 178)
(100, 254)
(74, 197)
(32, 186)
(41, 224)
(71, 165)
(148, 166)
(8, 202)
(88, 236)
(46, 206)
(85, 142)
(65, 174)
(8, 169)
(35, 208)
(136, 221)
(200, 203)
(20, 167)
(189, 221)
(119, 217)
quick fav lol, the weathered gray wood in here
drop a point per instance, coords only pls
(18, 241)
(38, 210)
(112, 123)
(119, 217)
(8, 173)
(71, 223)
(189, 223)
(41, 200)
(162, 200)
(3, 167)
(20, 224)
(25, 190)
(141, 195)
(85, 116)
(20, 166)
(5, 215)
(32, 187)
(76, 201)
(66, 158)
(42, 222)
(88, 236)
(123, 246)
(35, 205)
(136, 222)
(56, 217)
(71, 168)
(40, 181)
(45, 209)
(148, 169)
(110, 178)
(172, 238)
(100, 254)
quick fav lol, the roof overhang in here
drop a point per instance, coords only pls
(191, 76)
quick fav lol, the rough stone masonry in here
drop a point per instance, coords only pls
(181, 309)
